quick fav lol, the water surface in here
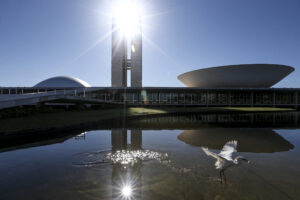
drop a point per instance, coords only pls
(155, 162)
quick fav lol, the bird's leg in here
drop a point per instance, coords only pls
(221, 174)
(224, 176)
(221, 177)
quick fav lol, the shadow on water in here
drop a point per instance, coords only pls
(250, 139)
(23, 142)
(205, 122)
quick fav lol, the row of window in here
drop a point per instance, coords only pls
(210, 98)
(248, 118)
(200, 98)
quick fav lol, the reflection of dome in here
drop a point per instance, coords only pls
(249, 140)
(62, 81)
(236, 76)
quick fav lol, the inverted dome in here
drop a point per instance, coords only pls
(62, 81)
(236, 76)
(249, 139)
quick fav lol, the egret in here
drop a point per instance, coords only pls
(225, 157)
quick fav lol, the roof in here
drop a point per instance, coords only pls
(236, 76)
(62, 81)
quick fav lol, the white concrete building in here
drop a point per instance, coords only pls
(236, 76)
(62, 82)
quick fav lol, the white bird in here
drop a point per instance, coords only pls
(225, 157)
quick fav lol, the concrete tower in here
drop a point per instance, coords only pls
(118, 58)
(120, 62)
(136, 58)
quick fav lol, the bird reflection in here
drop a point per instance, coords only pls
(225, 157)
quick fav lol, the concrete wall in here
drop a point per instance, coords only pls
(119, 59)
(136, 60)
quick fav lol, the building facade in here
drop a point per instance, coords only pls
(162, 96)
(236, 76)
(126, 55)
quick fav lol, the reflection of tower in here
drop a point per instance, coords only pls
(120, 62)
(136, 139)
(119, 139)
(129, 175)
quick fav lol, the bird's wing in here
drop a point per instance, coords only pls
(228, 149)
(209, 153)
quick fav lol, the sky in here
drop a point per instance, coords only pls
(40, 39)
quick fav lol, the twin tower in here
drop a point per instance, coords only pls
(126, 57)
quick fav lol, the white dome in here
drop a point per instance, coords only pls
(62, 81)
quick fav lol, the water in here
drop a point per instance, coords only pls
(158, 158)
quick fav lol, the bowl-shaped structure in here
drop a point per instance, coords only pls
(236, 76)
(62, 81)
(249, 139)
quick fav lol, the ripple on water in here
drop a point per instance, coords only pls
(130, 157)
(123, 157)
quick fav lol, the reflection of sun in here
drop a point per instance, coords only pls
(126, 191)
(127, 18)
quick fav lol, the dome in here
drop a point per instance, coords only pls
(62, 81)
(265, 140)
(236, 76)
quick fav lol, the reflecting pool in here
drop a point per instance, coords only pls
(156, 159)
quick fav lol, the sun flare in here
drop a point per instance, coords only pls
(126, 191)
(127, 18)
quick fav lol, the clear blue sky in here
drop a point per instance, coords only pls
(44, 38)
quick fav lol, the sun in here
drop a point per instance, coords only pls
(127, 18)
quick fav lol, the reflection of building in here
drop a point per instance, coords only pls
(129, 175)
(119, 139)
(249, 140)
(136, 139)
(196, 120)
